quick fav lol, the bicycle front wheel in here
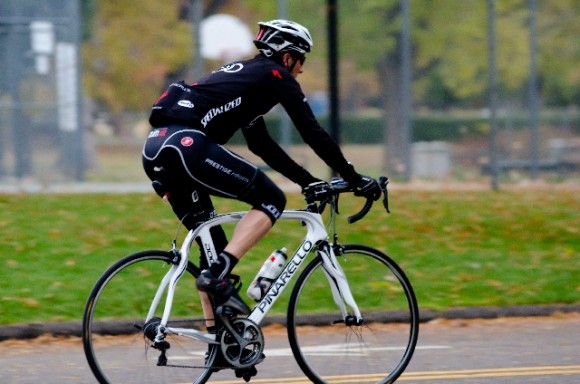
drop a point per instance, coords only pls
(114, 344)
(377, 351)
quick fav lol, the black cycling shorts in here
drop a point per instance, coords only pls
(194, 162)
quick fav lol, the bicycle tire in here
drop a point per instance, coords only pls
(331, 352)
(115, 347)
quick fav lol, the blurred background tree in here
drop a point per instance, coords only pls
(135, 47)
(132, 50)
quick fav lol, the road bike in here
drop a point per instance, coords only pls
(352, 315)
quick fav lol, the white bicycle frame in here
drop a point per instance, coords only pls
(316, 238)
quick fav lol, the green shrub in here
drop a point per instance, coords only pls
(426, 127)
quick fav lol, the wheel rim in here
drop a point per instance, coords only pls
(114, 345)
(376, 352)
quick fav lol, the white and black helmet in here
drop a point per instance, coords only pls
(278, 36)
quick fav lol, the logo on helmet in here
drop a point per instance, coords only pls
(282, 36)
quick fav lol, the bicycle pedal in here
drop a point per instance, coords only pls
(162, 359)
(246, 373)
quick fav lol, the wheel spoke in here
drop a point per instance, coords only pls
(115, 346)
(380, 348)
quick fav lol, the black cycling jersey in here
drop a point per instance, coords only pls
(236, 97)
(184, 154)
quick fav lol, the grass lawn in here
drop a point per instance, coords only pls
(462, 248)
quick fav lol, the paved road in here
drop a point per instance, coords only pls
(505, 351)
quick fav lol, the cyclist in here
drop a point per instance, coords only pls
(190, 124)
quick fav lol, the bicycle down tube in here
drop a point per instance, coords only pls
(316, 236)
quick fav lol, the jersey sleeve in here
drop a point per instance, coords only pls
(261, 143)
(297, 107)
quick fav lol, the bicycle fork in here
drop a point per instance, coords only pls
(338, 282)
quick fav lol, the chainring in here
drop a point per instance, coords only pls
(242, 343)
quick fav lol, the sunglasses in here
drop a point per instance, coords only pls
(301, 59)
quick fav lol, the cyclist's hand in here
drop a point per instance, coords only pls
(367, 187)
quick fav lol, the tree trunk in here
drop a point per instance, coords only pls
(391, 101)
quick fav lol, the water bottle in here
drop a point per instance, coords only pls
(267, 275)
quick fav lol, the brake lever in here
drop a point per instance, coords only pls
(322, 206)
(362, 213)
(383, 181)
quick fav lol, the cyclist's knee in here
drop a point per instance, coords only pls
(265, 196)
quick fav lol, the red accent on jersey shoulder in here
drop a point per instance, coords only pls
(276, 73)
(162, 96)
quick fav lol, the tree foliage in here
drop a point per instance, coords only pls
(134, 46)
(559, 50)
(450, 44)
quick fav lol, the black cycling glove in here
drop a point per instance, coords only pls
(363, 185)
(367, 187)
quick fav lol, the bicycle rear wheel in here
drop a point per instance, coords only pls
(114, 344)
(378, 351)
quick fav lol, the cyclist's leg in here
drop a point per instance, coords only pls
(268, 202)
(193, 208)
(164, 157)
(189, 156)
(248, 232)
(167, 156)
(217, 171)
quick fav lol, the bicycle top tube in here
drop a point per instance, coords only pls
(317, 197)
(312, 220)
